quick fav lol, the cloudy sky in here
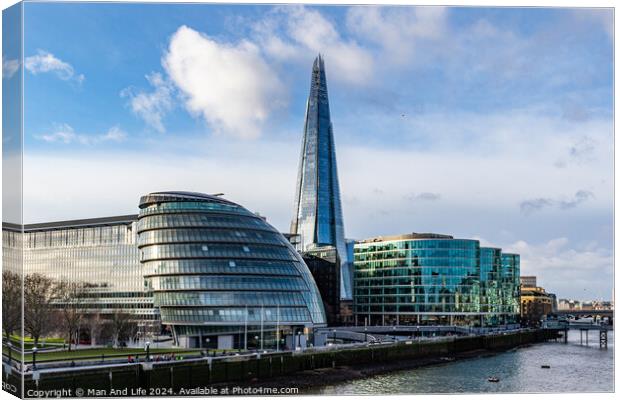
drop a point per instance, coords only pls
(485, 123)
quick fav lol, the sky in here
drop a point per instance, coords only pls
(486, 123)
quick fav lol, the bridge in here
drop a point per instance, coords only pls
(585, 313)
(583, 327)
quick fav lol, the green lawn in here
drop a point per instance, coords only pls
(86, 354)
(27, 340)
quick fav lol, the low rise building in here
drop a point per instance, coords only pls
(432, 279)
(536, 304)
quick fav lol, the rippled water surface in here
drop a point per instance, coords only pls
(574, 368)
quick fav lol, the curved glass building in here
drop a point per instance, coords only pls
(222, 276)
(430, 279)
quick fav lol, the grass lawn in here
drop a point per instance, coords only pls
(27, 340)
(86, 354)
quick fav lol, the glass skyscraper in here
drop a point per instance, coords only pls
(318, 212)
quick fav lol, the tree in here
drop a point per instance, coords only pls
(39, 293)
(122, 326)
(71, 296)
(11, 303)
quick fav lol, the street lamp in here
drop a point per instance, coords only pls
(148, 347)
(34, 358)
(299, 340)
(207, 340)
(256, 339)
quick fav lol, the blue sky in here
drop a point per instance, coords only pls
(491, 123)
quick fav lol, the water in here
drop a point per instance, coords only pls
(574, 368)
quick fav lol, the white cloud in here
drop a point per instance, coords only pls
(230, 85)
(64, 133)
(153, 106)
(568, 271)
(45, 61)
(397, 29)
(9, 67)
(296, 32)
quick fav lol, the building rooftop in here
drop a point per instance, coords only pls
(160, 197)
(406, 236)
(74, 223)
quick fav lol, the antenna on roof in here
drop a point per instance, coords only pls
(218, 194)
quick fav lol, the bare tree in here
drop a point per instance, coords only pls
(71, 296)
(39, 293)
(11, 303)
(122, 326)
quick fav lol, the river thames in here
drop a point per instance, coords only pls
(573, 368)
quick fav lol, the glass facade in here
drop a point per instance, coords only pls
(510, 284)
(431, 279)
(99, 253)
(318, 211)
(215, 268)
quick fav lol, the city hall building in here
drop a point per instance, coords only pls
(221, 274)
(431, 279)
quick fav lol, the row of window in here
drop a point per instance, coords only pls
(168, 299)
(227, 283)
(212, 266)
(178, 251)
(416, 271)
(200, 221)
(115, 234)
(181, 235)
(184, 206)
(419, 244)
(416, 253)
(237, 315)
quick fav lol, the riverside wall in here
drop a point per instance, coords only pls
(178, 377)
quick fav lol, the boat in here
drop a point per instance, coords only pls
(545, 366)
(493, 379)
(446, 358)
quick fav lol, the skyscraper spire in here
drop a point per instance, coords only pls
(318, 212)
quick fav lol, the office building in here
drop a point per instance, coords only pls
(98, 253)
(536, 304)
(432, 279)
(324, 264)
(528, 281)
(222, 276)
(510, 285)
(317, 211)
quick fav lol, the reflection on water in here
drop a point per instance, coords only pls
(574, 368)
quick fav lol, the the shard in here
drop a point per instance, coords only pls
(318, 212)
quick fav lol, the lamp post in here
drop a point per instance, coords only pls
(34, 358)
(262, 319)
(299, 339)
(207, 340)
(256, 339)
(148, 348)
(278, 328)
(246, 329)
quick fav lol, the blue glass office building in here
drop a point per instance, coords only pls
(430, 279)
(318, 212)
(223, 277)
